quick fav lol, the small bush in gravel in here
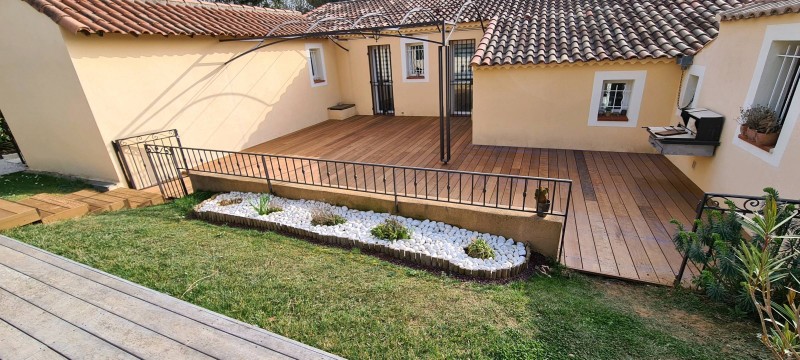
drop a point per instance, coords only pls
(391, 229)
(229, 202)
(322, 216)
(264, 205)
(479, 249)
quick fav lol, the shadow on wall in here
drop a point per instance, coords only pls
(183, 83)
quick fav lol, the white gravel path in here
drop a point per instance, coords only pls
(431, 238)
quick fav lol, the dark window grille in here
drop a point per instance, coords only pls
(380, 68)
(461, 77)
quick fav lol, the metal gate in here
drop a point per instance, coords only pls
(461, 52)
(380, 69)
(139, 172)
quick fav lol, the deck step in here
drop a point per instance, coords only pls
(136, 198)
(52, 208)
(13, 214)
(98, 202)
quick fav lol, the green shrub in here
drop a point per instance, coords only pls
(187, 203)
(391, 229)
(479, 249)
(721, 278)
(323, 216)
(264, 205)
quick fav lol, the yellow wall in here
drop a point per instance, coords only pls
(548, 106)
(411, 98)
(730, 62)
(42, 99)
(151, 83)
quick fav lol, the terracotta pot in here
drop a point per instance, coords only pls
(767, 139)
(751, 134)
(542, 208)
(743, 130)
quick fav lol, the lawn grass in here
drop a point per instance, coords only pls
(358, 306)
(20, 185)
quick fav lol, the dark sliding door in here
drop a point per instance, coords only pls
(461, 77)
(380, 69)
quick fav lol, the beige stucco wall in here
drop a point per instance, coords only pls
(730, 62)
(142, 84)
(42, 98)
(548, 106)
(411, 98)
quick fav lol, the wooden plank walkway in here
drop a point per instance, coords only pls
(54, 208)
(55, 308)
(619, 223)
(13, 215)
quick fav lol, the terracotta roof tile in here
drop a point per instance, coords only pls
(762, 8)
(166, 17)
(608, 29)
(558, 31)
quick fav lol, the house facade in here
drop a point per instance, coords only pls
(68, 92)
(753, 62)
(567, 75)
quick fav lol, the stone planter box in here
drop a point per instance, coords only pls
(341, 111)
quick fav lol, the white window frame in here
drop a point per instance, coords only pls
(404, 59)
(787, 32)
(321, 50)
(694, 70)
(638, 78)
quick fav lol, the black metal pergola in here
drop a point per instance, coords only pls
(333, 27)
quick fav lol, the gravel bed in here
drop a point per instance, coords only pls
(430, 238)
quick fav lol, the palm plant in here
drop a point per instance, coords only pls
(766, 264)
(263, 206)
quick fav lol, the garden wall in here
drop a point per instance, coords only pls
(541, 234)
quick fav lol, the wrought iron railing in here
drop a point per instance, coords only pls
(510, 192)
(133, 158)
(743, 204)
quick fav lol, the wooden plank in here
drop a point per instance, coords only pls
(15, 344)
(58, 334)
(137, 303)
(13, 215)
(53, 208)
(135, 198)
(111, 327)
(98, 202)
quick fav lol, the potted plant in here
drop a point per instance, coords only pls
(542, 201)
(754, 118)
(767, 131)
(742, 120)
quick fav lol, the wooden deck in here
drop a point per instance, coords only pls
(54, 308)
(619, 223)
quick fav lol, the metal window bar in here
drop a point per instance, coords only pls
(786, 82)
(743, 204)
(381, 79)
(415, 60)
(461, 77)
(614, 98)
